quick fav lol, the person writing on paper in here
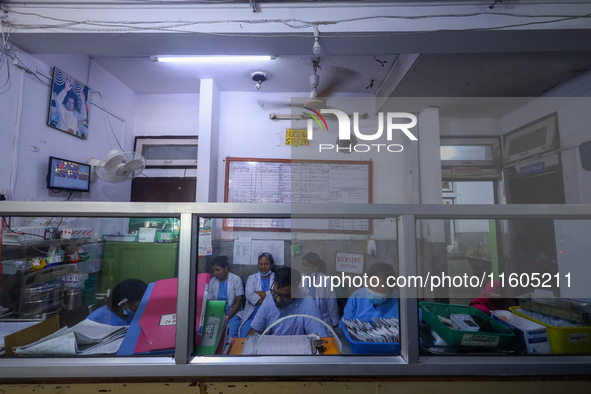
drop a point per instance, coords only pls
(226, 286)
(121, 305)
(286, 300)
(258, 288)
(373, 302)
(315, 269)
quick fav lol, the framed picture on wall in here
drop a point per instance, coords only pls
(69, 104)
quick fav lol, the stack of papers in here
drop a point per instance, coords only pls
(278, 345)
(85, 338)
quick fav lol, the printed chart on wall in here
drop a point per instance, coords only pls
(303, 182)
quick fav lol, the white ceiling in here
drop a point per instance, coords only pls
(350, 74)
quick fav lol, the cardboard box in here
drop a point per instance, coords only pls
(31, 334)
(534, 335)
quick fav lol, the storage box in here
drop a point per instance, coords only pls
(564, 340)
(370, 347)
(497, 340)
(534, 335)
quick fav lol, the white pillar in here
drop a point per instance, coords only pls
(207, 164)
(429, 156)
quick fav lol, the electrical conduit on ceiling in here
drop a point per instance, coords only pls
(17, 135)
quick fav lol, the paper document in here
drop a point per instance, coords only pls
(278, 345)
(242, 251)
(85, 338)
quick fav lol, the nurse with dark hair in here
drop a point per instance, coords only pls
(226, 286)
(121, 305)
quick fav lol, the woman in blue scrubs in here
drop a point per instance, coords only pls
(121, 305)
(372, 302)
(226, 286)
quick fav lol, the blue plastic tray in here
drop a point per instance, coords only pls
(370, 347)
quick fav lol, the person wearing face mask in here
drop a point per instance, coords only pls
(258, 287)
(226, 286)
(370, 302)
(325, 298)
(286, 300)
(121, 305)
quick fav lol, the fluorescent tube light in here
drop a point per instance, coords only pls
(210, 59)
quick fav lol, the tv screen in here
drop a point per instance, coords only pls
(68, 175)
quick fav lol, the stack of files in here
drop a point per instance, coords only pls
(155, 318)
(214, 326)
(278, 345)
(85, 338)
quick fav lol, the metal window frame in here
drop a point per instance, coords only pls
(141, 141)
(493, 141)
(183, 365)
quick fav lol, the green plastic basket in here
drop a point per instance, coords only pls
(465, 338)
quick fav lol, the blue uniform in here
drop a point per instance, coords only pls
(269, 313)
(359, 307)
(105, 316)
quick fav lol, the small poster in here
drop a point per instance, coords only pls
(242, 251)
(349, 262)
(296, 137)
(205, 248)
(69, 104)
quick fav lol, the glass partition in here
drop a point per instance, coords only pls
(516, 286)
(84, 286)
(253, 286)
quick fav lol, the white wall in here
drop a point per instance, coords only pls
(247, 131)
(167, 114)
(468, 126)
(37, 141)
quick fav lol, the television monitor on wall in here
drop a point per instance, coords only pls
(68, 175)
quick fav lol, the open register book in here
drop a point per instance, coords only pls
(85, 338)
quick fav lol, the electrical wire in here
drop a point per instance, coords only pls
(108, 120)
(292, 23)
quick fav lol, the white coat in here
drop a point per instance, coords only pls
(235, 288)
(253, 284)
(325, 299)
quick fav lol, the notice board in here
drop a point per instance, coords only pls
(270, 181)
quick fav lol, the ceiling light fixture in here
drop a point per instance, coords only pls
(316, 48)
(210, 59)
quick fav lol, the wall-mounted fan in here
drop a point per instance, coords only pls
(118, 166)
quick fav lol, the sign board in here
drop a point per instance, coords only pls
(534, 168)
(296, 137)
(465, 170)
(349, 262)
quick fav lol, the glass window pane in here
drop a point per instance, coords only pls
(504, 276)
(169, 152)
(322, 270)
(466, 152)
(97, 276)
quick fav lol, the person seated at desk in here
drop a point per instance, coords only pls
(226, 286)
(285, 303)
(325, 298)
(371, 302)
(121, 305)
(258, 287)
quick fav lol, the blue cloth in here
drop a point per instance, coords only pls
(248, 323)
(265, 283)
(105, 316)
(359, 307)
(233, 325)
(269, 313)
(133, 332)
(223, 294)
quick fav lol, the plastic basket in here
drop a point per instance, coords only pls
(563, 340)
(370, 347)
(452, 337)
